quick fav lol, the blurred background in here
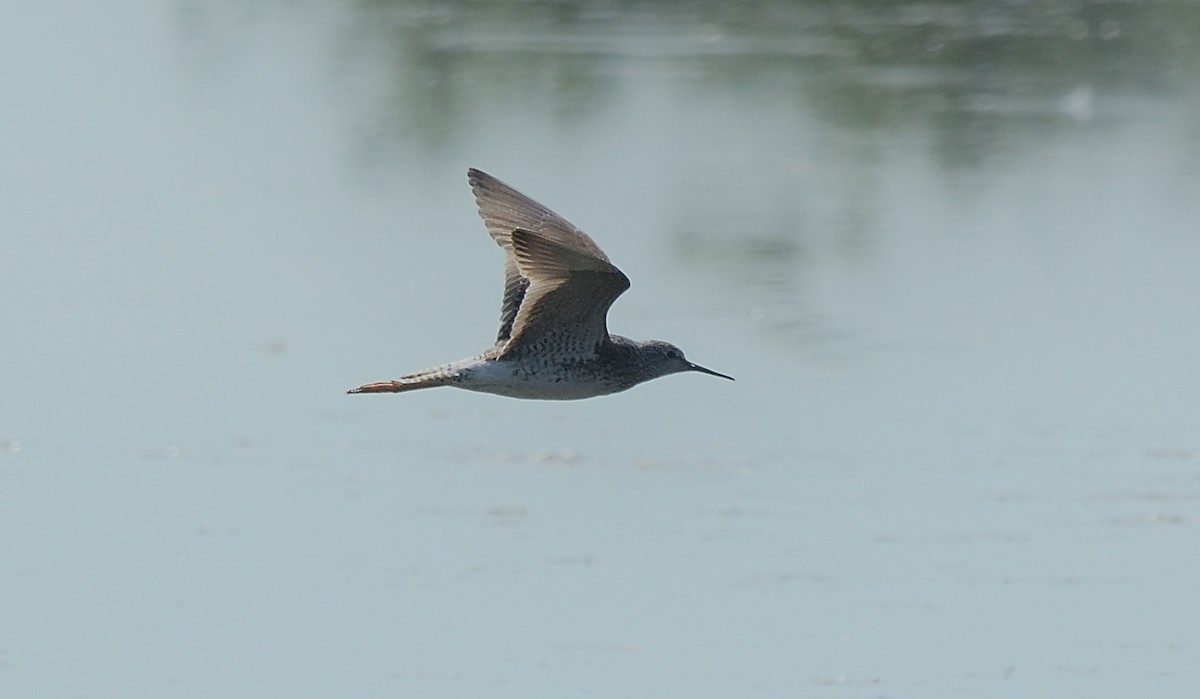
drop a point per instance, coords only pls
(950, 250)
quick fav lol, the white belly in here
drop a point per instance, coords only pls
(504, 379)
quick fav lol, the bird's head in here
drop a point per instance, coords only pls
(665, 358)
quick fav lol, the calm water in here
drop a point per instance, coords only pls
(950, 252)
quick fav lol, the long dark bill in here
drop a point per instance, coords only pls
(710, 372)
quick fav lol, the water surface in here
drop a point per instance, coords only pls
(949, 252)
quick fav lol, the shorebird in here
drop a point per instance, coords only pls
(553, 342)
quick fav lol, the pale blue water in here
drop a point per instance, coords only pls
(949, 254)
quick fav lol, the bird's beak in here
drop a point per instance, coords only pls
(710, 372)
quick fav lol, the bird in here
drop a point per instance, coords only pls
(553, 342)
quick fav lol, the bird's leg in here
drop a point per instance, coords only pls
(382, 387)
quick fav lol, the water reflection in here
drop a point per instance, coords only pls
(771, 134)
(864, 65)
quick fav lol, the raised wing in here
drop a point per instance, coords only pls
(504, 210)
(565, 307)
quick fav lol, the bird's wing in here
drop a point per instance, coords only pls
(503, 210)
(564, 308)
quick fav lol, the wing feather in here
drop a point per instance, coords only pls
(565, 308)
(504, 210)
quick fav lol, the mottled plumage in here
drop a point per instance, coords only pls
(553, 342)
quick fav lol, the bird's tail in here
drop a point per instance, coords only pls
(429, 378)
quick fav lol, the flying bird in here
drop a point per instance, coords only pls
(553, 342)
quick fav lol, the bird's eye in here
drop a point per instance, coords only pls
(673, 354)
